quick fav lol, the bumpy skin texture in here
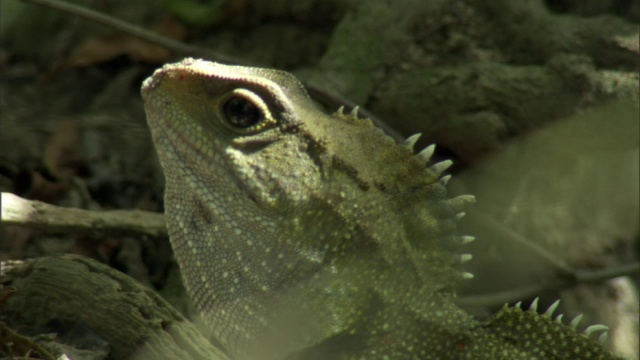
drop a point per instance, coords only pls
(306, 235)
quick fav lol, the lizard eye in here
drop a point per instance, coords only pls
(242, 113)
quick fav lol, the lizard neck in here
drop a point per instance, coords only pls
(252, 257)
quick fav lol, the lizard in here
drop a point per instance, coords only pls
(306, 235)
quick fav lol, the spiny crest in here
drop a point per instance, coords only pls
(527, 326)
(451, 210)
(457, 204)
(352, 116)
(573, 324)
(424, 156)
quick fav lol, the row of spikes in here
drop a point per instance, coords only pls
(424, 155)
(574, 323)
(458, 203)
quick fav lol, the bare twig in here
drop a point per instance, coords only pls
(39, 215)
(502, 231)
(137, 31)
(559, 283)
(566, 276)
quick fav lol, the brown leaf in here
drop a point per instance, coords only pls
(104, 48)
(62, 154)
(45, 190)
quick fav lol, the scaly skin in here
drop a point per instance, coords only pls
(302, 235)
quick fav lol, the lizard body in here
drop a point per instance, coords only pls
(306, 235)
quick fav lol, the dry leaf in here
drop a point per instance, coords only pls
(105, 48)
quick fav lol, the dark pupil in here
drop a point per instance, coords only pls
(241, 112)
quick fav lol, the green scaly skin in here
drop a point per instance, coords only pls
(302, 235)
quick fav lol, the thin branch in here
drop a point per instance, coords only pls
(566, 277)
(560, 283)
(598, 276)
(38, 215)
(513, 237)
(136, 31)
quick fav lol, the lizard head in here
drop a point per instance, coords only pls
(264, 191)
(243, 121)
(254, 137)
